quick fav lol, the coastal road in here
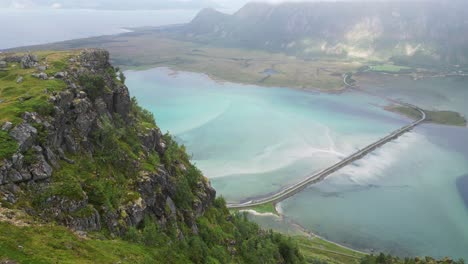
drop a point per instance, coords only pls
(321, 175)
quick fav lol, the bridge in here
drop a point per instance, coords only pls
(321, 175)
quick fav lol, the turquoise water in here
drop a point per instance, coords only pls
(251, 141)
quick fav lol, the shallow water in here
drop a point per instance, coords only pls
(251, 141)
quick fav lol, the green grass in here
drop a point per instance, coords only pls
(264, 208)
(391, 68)
(56, 244)
(446, 118)
(32, 94)
(316, 249)
(438, 117)
(8, 146)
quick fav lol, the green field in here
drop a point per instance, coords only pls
(316, 249)
(149, 50)
(389, 68)
(449, 118)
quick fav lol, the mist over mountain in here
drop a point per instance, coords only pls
(426, 31)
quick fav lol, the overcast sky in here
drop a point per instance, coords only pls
(136, 4)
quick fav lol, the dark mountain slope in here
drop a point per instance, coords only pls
(432, 30)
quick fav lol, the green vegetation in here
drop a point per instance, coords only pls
(389, 68)
(316, 250)
(8, 145)
(31, 94)
(438, 117)
(94, 84)
(264, 208)
(227, 64)
(149, 244)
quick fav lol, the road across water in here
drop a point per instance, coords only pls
(321, 175)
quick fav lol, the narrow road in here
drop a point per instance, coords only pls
(321, 175)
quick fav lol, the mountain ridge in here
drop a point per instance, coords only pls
(431, 30)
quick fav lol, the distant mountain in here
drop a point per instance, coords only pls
(418, 32)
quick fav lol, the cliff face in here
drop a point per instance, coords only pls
(435, 29)
(63, 153)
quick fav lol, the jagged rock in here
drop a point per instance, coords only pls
(17, 161)
(24, 134)
(90, 222)
(60, 75)
(51, 157)
(172, 207)
(41, 169)
(136, 212)
(19, 80)
(70, 144)
(7, 126)
(121, 102)
(13, 58)
(41, 68)
(101, 107)
(42, 76)
(71, 127)
(95, 59)
(29, 61)
(14, 176)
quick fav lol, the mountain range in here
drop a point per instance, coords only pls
(422, 32)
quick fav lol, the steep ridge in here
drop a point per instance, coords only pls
(76, 150)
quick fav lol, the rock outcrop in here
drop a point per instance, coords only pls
(44, 142)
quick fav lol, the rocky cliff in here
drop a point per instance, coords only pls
(83, 116)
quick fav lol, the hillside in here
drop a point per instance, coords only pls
(413, 32)
(86, 176)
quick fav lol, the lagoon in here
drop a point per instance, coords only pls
(251, 141)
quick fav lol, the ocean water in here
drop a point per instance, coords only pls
(405, 198)
(252, 141)
(40, 26)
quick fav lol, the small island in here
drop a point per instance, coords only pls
(449, 118)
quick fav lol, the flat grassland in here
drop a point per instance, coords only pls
(449, 118)
(142, 50)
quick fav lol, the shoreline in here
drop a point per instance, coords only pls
(307, 233)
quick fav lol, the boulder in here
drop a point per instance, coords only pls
(14, 176)
(24, 134)
(3, 65)
(7, 126)
(20, 79)
(42, 76)
(60, 75)
(29, 61)
(41, 68)
(41, 169)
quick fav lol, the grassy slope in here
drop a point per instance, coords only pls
(34, 244)
(28, 96)
(319, 249)
(56, 244)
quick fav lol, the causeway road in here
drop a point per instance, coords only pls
(321, 175)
